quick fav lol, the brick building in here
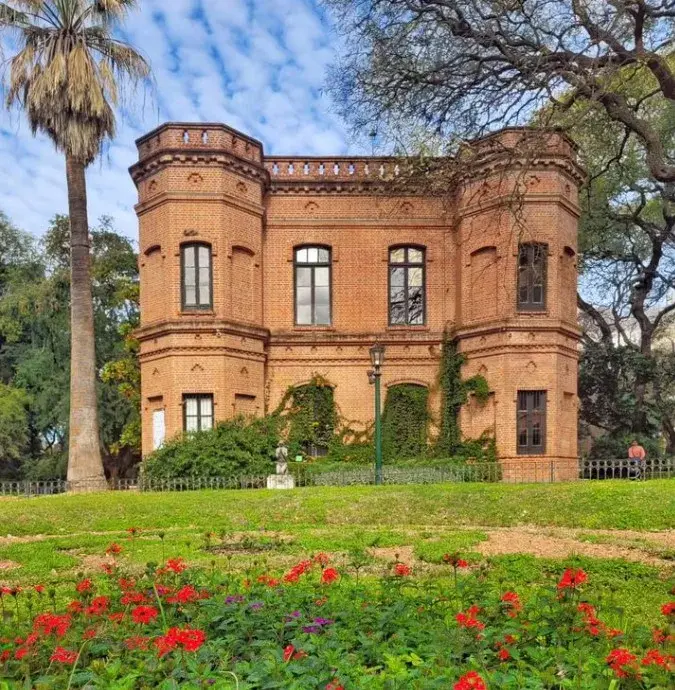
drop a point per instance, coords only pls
(259, 272)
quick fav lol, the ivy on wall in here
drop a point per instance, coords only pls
(455, 393)
(405, 421)
(311, 416)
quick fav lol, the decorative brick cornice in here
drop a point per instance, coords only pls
(190, 326)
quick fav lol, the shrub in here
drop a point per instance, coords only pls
(234, 447)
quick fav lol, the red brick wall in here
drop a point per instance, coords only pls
(247, 350)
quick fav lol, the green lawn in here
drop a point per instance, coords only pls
(364, 527)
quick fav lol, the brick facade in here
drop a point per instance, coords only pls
(213, 185)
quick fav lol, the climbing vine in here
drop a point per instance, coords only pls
(454, 394)
(310, 414)
(405, 421)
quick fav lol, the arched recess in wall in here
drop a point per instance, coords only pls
(568, 283)
(244, 307)
(313, 417)
(483, 283)
(152, 284)
(405, 421)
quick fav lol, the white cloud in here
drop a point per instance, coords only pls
(256, 65)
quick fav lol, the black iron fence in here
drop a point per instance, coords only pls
(521, 472)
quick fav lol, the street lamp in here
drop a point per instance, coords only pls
(377, 360)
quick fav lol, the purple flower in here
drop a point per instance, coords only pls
(323, 621)
(238, 599)
(257, 605)
(310, 629)
(292, 616)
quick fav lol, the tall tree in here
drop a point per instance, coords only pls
(464, 67)
(65, 75)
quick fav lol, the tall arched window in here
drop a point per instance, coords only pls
(312, 286)
(196, 276)
(406, 286)
(532, 276)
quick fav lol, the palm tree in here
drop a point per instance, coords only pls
(65, 75)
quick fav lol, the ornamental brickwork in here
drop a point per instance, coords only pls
(245, 343)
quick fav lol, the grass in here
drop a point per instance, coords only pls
(66, 535)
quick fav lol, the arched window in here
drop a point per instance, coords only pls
(196, 276)
(532, 276)
(406, 286)
(312, 286)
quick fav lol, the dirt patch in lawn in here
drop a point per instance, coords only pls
(8, 565)
(400, 554)
(630, 546)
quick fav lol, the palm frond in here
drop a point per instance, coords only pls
(68, 70)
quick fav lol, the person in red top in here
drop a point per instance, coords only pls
(637, 452)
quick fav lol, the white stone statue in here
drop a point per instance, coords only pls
(281, 455)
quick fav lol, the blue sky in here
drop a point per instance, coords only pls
(256, 65)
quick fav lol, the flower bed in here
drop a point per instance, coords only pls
(315, 627)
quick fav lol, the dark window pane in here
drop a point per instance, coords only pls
(415, 306)
(536, 434)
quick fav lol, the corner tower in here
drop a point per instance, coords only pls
(200, 211)
(517, 319)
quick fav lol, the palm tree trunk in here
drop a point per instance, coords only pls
(85, 467)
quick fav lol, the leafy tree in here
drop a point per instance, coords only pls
(465, 67)
(65, 76)
(35, 337)
(14, 432)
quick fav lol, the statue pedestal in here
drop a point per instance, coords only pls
(280, 481)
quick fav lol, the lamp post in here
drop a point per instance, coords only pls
(377, 359)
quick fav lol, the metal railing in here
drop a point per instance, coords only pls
(511, 472)
(626, 468)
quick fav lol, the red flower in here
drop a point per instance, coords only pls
(509, 639)
(190, 639)
(176, 565)
(184, 595)
(83, 585)
(655, 657)
(622, 662)
(98, 606)
(668, 609)
(126, 585)
(334, 685)
(513, 604)
(454, 560)
(137, 642)
(108, 568)
(322, 559)
(89, 634)
(469, 620)
(39, 588)
(63, 656)
(21, 653)
(48, 623)
(269, 580)
(4, 656)
(300, 569)
(144, 614)
(329, 575)
(504, 654)
(133, 598)
(116, 617)
(470, 681)
(288, 652)
(571, 579)
(402, 570)
(133, 531)
(113, 549)
(75, 607)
